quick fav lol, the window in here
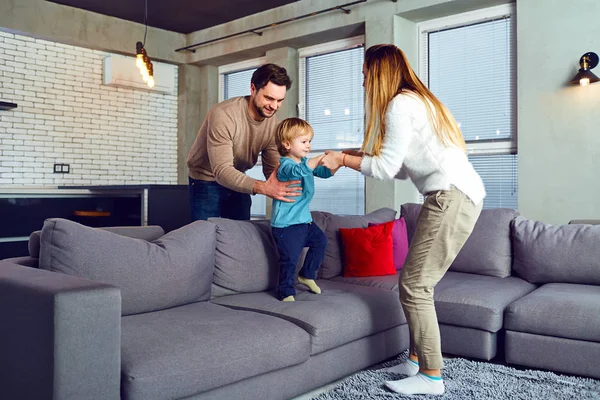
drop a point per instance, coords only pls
(468, 62)
(332, 101)
(234, 82)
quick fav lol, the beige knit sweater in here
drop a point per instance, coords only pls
(228, 144)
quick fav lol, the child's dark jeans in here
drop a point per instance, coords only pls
(290, 242)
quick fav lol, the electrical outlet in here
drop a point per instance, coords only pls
(62, 168)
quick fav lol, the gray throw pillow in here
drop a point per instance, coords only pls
(487, 251)
(545, 253)
(173, 270)
(410, 212)
(333, 262)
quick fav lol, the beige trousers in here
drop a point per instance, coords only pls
(444, 224)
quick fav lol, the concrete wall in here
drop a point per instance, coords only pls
(558, 124)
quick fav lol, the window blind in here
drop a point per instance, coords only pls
(237, 83)
(471, 69)
(333, 100)
(499, 174)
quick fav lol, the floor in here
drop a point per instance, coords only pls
(329, 386)
(316, 392)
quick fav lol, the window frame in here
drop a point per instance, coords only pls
(482, 147)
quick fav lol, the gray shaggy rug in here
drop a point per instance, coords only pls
(466, 379)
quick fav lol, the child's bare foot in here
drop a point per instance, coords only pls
(312, 285)
(289, 298)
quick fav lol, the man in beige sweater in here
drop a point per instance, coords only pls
(232, 136)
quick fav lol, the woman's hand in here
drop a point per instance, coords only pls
(333, 160)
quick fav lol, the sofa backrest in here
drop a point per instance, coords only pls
(488, 249)
(246, 258)
(148, 233)
(173, 270)
(545, 253)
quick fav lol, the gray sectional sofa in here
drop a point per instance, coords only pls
(192, 314)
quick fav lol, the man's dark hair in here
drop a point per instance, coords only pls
(271, 73)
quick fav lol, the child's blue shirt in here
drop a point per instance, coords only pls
(285, 214)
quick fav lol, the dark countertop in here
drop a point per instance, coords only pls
(124, 187)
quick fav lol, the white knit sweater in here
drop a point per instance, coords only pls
(411, 149)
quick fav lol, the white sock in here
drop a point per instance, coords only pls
(418, 384)
(408, 367)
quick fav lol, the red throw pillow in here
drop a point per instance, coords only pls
(368, 251)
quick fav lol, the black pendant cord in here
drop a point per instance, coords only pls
(145, 20)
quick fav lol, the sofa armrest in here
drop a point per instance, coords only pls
(60, 336)
(584, 221)
(26, 261)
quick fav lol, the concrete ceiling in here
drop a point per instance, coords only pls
(183, 16)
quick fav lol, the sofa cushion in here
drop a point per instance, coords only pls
(332, 263)
(246, 258)
(388, 282)
(563, 310)
(487, 251)
(461, 299)
(341, 314)
(173, 270)
(546, 253)
(149, 233)
(476, 301)
(175, 353)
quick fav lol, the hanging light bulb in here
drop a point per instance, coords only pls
(142, 60)
(139, 54)
(150, 75)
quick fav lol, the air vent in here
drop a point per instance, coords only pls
(121, 71)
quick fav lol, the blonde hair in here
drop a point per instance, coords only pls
(288, 130)
(387, 73)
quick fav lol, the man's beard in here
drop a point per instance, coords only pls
(261, 110)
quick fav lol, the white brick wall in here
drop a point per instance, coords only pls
(65, 115)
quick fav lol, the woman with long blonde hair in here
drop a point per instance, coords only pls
(410, 134)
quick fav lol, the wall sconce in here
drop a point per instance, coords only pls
(584, 77)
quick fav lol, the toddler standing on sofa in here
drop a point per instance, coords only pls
(291, 223)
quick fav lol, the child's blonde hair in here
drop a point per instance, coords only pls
(288, 130)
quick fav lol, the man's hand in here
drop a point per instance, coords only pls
(276, 189)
